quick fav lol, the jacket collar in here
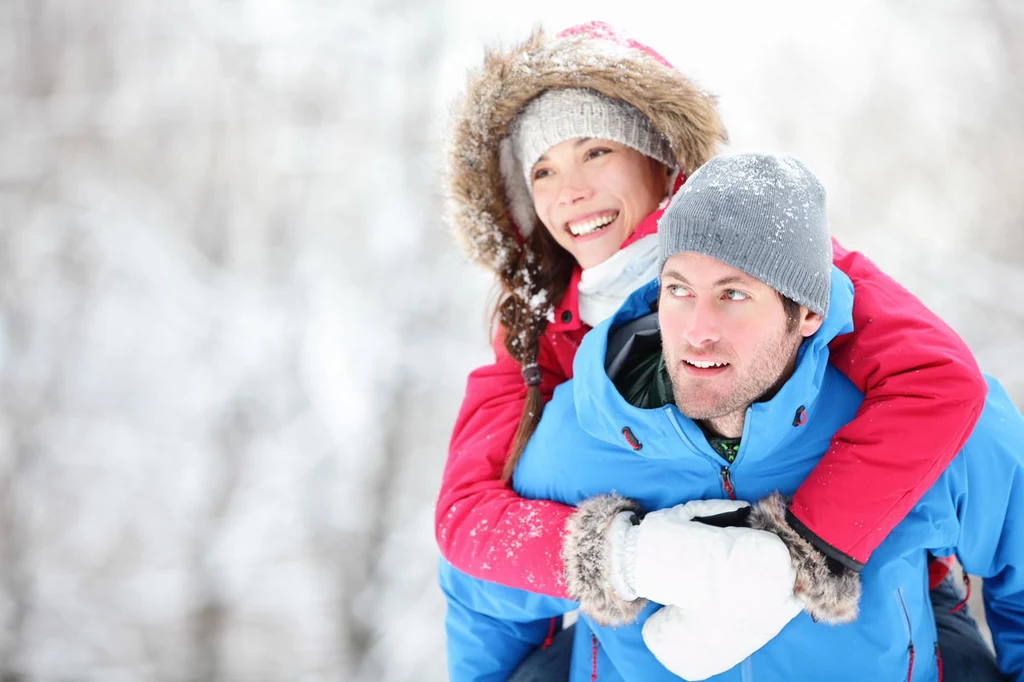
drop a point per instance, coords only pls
(566, 314)
(603, 413)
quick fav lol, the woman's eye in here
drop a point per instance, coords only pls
(597, 151)
(541, 173)
(734, 295)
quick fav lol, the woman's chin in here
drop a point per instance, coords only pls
(595, 249)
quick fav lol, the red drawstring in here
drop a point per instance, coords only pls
(593, 658)
(963, 602)
(938, 660)
(910, 668)
(551, 635)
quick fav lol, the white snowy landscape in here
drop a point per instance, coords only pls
(234, 330)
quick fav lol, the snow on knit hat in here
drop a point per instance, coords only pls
(763, 214)
(564, 114)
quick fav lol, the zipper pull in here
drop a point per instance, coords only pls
(727, 483)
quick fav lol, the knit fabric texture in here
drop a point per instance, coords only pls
(763, 214)
(565, 114)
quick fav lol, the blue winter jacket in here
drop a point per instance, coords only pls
(975, 509)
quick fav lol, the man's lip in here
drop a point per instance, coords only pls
(704, 371)
(705, 360)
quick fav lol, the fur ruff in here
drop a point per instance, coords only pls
(828, 597)
(588, 561)
(479, 206)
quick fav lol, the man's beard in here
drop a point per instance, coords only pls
(760, 380)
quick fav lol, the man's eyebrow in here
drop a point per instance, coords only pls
(674, 275)
(731, 279)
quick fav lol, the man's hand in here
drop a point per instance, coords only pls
(697, 643)
(728, 590)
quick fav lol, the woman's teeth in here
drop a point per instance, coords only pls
(587, 226)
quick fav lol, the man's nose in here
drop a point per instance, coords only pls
(703, 326)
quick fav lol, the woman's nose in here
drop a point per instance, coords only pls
(574, 188)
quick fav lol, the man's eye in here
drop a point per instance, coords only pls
(677, 290)
(734, 295)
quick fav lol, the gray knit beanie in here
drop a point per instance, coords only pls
(565, 114)
(763, 214)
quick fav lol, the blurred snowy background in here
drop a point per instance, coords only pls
(234, 331)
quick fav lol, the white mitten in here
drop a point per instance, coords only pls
(672, 559)
(614, 566)
(698, 643)
(608, 559)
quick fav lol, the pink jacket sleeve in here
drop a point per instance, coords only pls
(483, 527)
(923, 393)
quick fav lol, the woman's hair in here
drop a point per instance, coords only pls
(529, 289)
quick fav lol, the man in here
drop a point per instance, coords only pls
(736, 401)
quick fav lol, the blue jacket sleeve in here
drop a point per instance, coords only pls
(988, 491)
(491, 628)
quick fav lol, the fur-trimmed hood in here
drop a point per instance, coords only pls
(589, 56)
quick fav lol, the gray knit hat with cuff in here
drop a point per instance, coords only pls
(763, 214)
(565, 114)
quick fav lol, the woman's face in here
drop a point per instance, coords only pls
(591, 194)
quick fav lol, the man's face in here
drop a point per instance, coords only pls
(726, 338)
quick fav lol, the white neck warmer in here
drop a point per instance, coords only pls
(604, 287)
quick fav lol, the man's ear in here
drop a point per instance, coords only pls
(809, 322)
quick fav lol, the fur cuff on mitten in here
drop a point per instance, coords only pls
(589, 562)
(830, 592)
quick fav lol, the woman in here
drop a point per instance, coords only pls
(562, 157)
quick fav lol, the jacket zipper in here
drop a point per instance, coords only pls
(551, 635)
(593, 657)
(727, 483)
(910, 633)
